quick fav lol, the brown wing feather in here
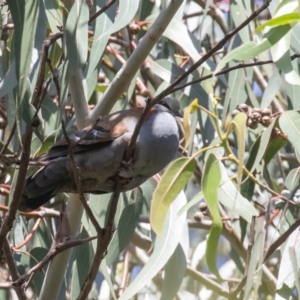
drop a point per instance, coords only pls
(107, 129)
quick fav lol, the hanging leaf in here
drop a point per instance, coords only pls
(170, 185)
(210, 185)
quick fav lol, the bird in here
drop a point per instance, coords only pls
(99, 155)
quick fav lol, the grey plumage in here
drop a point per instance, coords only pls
(100, 154)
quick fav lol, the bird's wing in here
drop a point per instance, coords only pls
(104, 132)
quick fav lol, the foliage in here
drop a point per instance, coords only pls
(221, 221)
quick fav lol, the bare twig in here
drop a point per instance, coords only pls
(102, 10)
(227, 70)
(11, 213)
(207, 55)
(207, 282)
(281, 239)
(13, 269)
(169, 89)
(125, 272)
(42, 213)
(250, 244)
(103, 235)
(26, 142)
(55, 249)
(11, 134)
(30, 235)
(102, 243)
(78, 182)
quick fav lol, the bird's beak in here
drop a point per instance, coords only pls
(177, 113)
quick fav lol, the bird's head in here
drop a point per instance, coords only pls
(172, 105)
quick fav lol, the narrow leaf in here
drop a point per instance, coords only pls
(76, 34)
(125, 229)
(239, 126)
(163, 248)
(282, 20)
(290, 125)
(210, 185)
(174, 273)
(172, 182)
(230, 197)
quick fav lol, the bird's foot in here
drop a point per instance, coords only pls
(126, 170)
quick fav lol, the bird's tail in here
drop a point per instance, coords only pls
(28, 204)
(42, 186)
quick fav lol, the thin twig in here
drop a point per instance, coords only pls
(11, 134)
(102, 244)
(125, 272)
(17, 194)
(30, 235)
(227, 70)
(78, 182)
(169, 89)
(55, 249)
(281, 239)
(26, 142)
(13, 269)
(207, 55)
(207, 282)
(250, 244)
(42, 213)
(102, 10)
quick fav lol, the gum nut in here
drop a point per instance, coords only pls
(251, 124)
(256, 110)
(198, 216)
(266, 112)
(235, 112)
(265, 120)
(256, 115)
(134, 28)
(202, 206)
(243, 107)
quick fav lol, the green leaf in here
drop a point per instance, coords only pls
(101, 88)
(272, 88)
(292, 181)
(76, 34)
(282, 20)
(163, 248)
(286, 275)
(9, 82)
(127, 10)
(251, 49)
(190, 109)
(174, 273)
(191, 203)
(290, 125)
(101, 34)
(25, 15)
(54, 17)
(281, 55)
(125, 228)
(51, 115)
(230, 197)
(36, 255)
(239, 126)
(83, 261)
(107, 276)
(253, 276)
(274, 146)
(210, 185)
(172, 182)
(263, 145)
(235, 93)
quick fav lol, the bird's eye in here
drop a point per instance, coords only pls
(165, 104)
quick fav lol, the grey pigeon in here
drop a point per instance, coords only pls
(99, 156)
